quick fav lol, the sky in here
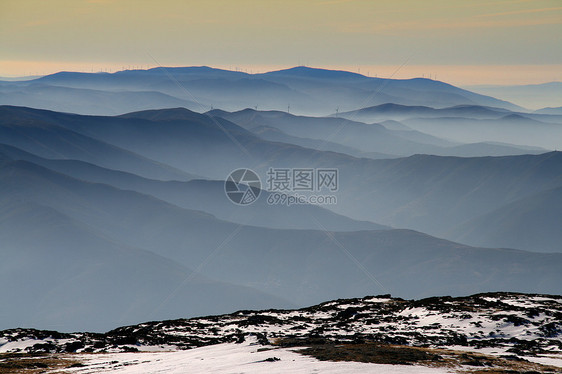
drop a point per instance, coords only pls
(457, 41)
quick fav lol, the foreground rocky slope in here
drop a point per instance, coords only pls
(484, 333)
(522, 324)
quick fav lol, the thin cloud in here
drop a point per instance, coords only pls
(38, 22)
(523, 11)
(336, 1)
(439, 25)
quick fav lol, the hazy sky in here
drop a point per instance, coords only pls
(462, 42)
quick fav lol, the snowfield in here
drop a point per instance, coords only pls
(233, 358)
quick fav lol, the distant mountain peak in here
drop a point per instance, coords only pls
(190, 69)
(162, 114)
(309, 72)
(550, 110)
(514, 117)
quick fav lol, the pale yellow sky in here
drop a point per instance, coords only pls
(458, 41)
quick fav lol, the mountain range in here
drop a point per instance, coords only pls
(114, 207)
(305, 90)
(145, 192)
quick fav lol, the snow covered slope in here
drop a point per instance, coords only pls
(510, 327)
(248, 357)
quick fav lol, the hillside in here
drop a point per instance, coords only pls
(499, 331)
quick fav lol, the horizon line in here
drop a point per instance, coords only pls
(458, 75)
